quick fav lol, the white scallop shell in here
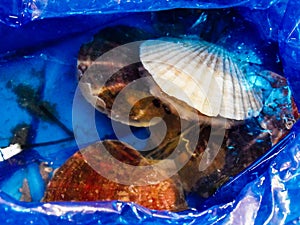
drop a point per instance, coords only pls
(201, 74)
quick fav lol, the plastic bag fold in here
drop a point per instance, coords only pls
(267, 193)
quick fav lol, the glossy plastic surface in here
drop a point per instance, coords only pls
(266, 193)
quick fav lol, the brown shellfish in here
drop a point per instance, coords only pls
(77, 180)
(103, 88)
(243, 143)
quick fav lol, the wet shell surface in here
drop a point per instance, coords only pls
(201, 74)
(103, 78)
(77, 180)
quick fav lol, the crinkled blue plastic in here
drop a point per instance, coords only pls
(266, 193)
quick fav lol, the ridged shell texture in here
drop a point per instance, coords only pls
(203, 75)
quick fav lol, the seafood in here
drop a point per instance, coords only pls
(202, 75)
(187, 77)
(103, 88)
(76, 180)
(216, 85)
(280, 112)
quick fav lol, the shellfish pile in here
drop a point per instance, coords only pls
(198, 90)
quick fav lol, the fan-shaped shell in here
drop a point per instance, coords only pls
(201, 74)
(77, 180)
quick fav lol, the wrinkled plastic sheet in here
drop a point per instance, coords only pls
(266, 193)
(270, 195)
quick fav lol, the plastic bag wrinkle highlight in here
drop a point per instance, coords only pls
(20, 12)
(289, 39)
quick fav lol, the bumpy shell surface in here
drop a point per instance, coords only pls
(202, 75)
(76, 180)
(101, 86)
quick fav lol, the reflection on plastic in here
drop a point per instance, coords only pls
(18, 12)
(271, 198)
(268, 190)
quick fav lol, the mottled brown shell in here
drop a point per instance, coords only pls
(104, 86)
(76, 180)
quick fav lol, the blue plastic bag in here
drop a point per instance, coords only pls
(266, 193)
